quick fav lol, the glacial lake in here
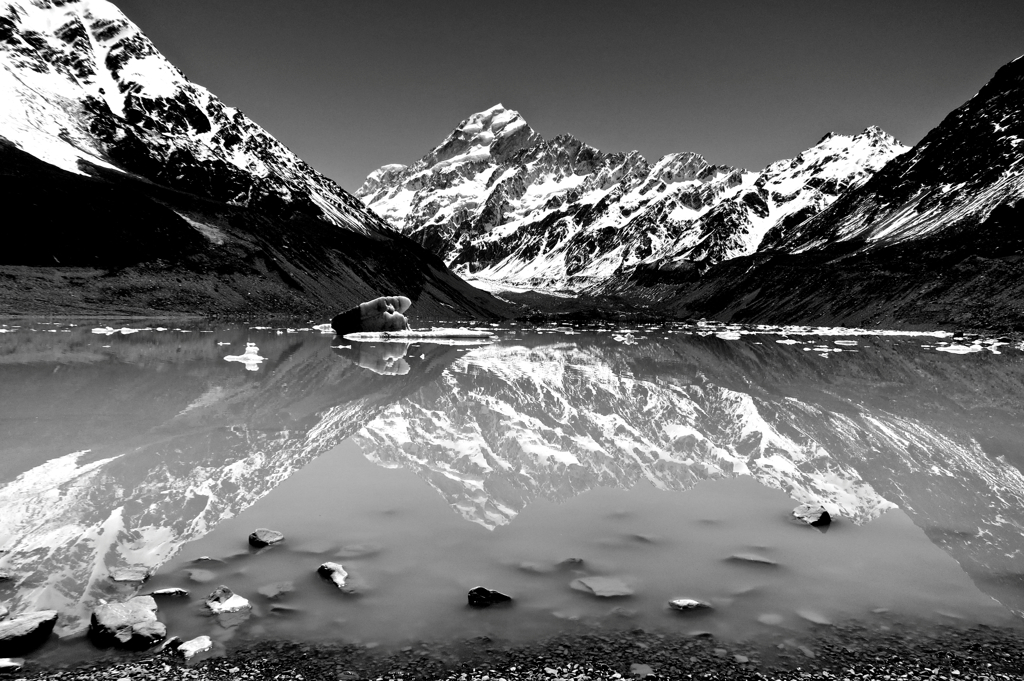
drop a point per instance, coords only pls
(658, 461)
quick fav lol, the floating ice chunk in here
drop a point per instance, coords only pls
(250, 358)
(957, 349)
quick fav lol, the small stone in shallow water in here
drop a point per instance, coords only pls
(482, 597)
(334, 572)
(224, 600)
(200, 644)
(814, 617)
(264, 537)
(812, 514)
(605, 587)
(688, 604)
(752, 558)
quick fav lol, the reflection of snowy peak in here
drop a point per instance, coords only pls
(228, 441)
(512, 424)
(81, 83)
(498, 201)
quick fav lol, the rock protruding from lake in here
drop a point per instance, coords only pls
(482, 597)
(24, 633)
(131, 625)
(812, 514)
(264, 537)
(334, 572)
(604, 587)
(688, 604)
(131, 573)
(170, 592)
(200, 644)
(224, 600)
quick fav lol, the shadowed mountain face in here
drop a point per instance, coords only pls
(499, 202)
(117, 456)
(933, 238)
(138, 191)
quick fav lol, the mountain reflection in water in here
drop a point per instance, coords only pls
(116, 456)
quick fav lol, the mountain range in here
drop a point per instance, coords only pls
(138, 190)
(500, 203)
(857, 230)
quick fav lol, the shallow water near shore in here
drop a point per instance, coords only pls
(659, 462)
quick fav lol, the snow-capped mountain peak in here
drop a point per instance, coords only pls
(82, 84)
(500, 203)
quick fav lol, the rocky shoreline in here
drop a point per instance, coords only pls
(849, 651)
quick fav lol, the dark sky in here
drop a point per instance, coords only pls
(350, 86)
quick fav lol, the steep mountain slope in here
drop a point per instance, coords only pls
(934, 238)
(970, 165)
(499, 202)
(96, 130)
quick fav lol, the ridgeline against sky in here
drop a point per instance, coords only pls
(351, 86)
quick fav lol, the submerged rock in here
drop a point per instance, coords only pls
(752, 558)
(605, 587)
(200, 644)
(132, 624)
(277, 589)
(334, 572)
(812, 514)
(482, 597)
(132, 573)
(264, 537)
(688, 604)
(224, 600)
(21, 634)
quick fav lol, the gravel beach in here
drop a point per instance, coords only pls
(835, 653)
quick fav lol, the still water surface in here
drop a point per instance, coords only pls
(665, 458)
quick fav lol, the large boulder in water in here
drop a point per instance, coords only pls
(131, 625)
(21, 634)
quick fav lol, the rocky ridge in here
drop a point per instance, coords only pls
(83, 85)
(500, 203)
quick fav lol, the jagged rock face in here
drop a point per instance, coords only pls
(963, 172)
(498, 202)
(82, 84)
